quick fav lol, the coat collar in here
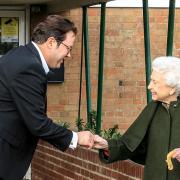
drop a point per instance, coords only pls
(137, 131)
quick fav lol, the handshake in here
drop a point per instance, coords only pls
(89, 140)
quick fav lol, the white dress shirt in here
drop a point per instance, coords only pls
(74, 140)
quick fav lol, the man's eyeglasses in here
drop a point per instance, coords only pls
(69, 48)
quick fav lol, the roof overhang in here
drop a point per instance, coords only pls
(54, 4)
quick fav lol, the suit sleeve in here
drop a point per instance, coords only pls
(27, 89)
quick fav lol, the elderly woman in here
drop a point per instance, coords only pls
(157, 129)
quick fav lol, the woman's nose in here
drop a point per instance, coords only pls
(149, 86)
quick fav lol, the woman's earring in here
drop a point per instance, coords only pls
(172, 92)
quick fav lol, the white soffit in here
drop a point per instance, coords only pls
(138, 3)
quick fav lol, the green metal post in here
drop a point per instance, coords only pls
(147, 47)
(80, 83)
(101, 64)
(87, 65)
(170, 28)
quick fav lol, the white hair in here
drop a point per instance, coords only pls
(170, 66)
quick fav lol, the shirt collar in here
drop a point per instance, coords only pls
(44, 64)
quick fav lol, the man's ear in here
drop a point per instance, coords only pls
(51, 42)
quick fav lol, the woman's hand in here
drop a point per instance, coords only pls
(100, 143)
(177, 154)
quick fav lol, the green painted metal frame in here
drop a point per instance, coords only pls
(80, 83)
(170, 35)
(87, 65)
(101, 64)
(147, 47)
(101, 55)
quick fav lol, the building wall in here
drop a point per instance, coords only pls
(124, 94)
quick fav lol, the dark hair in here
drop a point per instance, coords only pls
(53, 26)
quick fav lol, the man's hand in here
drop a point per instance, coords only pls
(86, 139)
(100, 143)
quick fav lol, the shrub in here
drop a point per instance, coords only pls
(63, 124)
(111, 133)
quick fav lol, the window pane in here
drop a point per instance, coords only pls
(9, 33)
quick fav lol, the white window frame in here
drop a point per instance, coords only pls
(21, 16)
(23, 12)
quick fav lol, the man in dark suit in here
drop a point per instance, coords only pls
(23, 83)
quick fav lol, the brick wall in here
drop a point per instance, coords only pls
(51, 164)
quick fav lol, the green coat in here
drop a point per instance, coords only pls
(148, 140)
